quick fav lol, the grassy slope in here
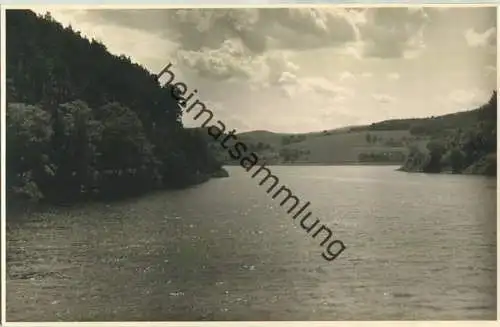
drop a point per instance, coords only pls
(343, 145)
(334, 147)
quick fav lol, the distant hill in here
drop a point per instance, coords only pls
(337, 146)
(385, 142)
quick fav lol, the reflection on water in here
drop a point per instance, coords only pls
(418, 247)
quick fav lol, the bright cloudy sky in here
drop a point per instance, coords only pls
(300, 70)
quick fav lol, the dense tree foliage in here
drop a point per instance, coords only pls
(382, 157)
(438, 126)
(466, 149)
(82, 122)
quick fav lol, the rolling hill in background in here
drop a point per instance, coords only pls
(390, 142)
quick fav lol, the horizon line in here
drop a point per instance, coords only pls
(359, 125)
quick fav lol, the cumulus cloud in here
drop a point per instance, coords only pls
(388, 32)
(259, 34)
(226, 62)
(394, 32)
(258, 29)
(325, 87)
(297, 64)
(383, 98)
(347, 77)
(313, 87)
(487, 38)
(469, 97)
(233, 43)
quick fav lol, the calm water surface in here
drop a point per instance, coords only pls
(418, 247)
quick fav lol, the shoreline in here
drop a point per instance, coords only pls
(16, 206)
(19, 206)
(446, 172)
(319, 164)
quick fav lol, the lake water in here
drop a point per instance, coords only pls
(418, 247)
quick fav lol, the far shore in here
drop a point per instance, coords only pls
(327, 164)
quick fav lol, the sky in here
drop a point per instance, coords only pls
(298, 70)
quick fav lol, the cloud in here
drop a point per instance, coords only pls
(313, 87)
(468, 98)
(230, 118)
(150, 49)
(394, 32)
(322, 86)
(233, 62)
(256, 35)
(258, 29)
(287, 78)
(387, 33)
(347, 77)
(383, 98)
(336, 116)
(275, 63)
(233, 43)
(226, 62)
(289, 84)
(292, 69)
(490, 71)
(393, 76)
(487, 38)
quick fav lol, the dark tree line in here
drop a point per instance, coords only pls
(286, 140)
(391, 156)
(433, 126)
(290, 155)
(82, 122)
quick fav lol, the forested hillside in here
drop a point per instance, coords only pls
(83, 123)
(460, 143)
